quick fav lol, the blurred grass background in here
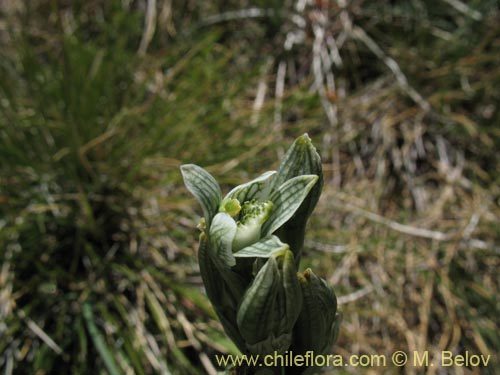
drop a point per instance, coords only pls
(101, 101)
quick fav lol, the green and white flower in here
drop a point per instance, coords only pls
(248, 213)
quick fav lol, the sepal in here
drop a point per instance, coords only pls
(204, 188)
(221, 235)
(287, 198)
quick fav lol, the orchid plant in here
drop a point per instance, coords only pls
(249, 251)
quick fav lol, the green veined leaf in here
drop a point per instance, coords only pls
(255, 316)
(222, 232)
(315, 327)
(224, 289)
(292, 292)
(300, 159)
(255, 189)
(205, 189)
(263, 249)
(287, 199)
(218, 278)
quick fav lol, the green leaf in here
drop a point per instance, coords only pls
(224, 289)
(300, 159)
(256, 315)
(287, 199)
(255, 189)
(292, 292)
(263, 249)
(205, 189)
(317, 326)
(222, 232)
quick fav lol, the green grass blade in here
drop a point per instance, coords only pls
(99, 343)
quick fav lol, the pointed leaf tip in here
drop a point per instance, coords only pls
(304, 138)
